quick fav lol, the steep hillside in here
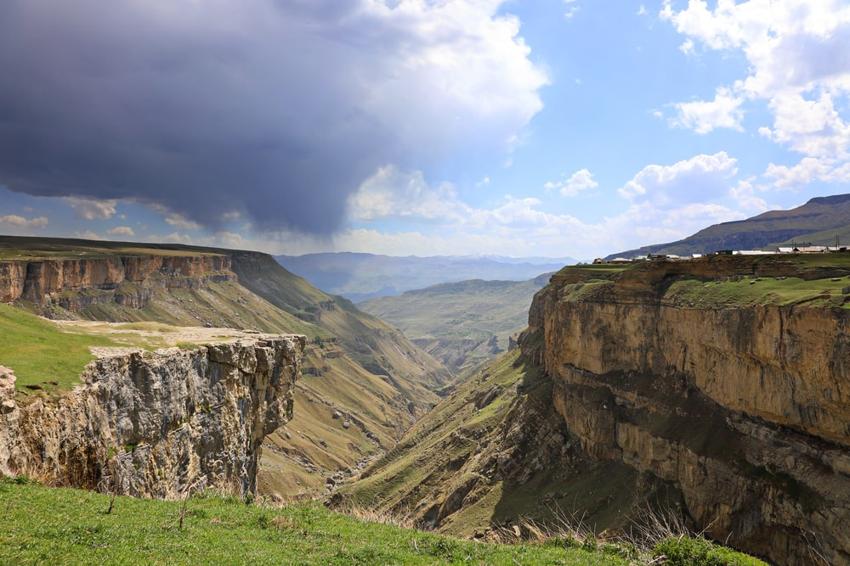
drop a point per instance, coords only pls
(818, 221)
(713, 389)
(364, 382)
(461, 324)
(360, 277)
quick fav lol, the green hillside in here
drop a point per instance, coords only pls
(461, 324)
(356, 366)
(451, 455)
(818, 221)
(361, 276)
(37, 350)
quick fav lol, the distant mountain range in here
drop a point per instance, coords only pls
(820, 221)
(360, 276)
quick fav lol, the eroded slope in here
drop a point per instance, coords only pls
(356, 368)
(715, 389)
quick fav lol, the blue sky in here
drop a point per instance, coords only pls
(523, 128)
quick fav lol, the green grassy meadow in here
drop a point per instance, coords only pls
(45, 525)
(749, 291)
(38, 351)
(67, 526)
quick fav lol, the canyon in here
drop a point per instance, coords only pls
(363, 382)
(714, 390)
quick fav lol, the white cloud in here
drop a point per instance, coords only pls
(703, 116)
(93, 209)
(393, 193)
(179, 221)
(799, 66)
(666, 202)
(811, 126)
(121, 231)
(808, 170)
(26, 223)
(483, 182)
(572, 8)
(744, 193)
(579, 181)
(642, 10)
(702, 177)
(88, 235)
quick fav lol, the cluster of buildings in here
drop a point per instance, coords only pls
(807, 249)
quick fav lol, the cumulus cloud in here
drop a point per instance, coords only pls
(93, 209)
(22, 222)
(391, 193)
(88, 235)
(700, 178)
(808, 170)
(666, 202)
(121, 231)
(581, 180)
(704, 116)
(799, 64)
(274, 109)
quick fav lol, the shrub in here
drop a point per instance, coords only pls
(683, 551)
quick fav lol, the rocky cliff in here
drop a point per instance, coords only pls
(358, 365)
(76, 283)
(715, 390)
(737, 399)
(154, 424)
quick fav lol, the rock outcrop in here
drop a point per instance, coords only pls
(744, 409)
(77, 283)
(155, 424)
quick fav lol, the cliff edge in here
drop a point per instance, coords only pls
(156, 423)
(725, 380)
(713, 390)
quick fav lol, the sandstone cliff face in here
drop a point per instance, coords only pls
(154, 424)
(745, 411)
(74, 284)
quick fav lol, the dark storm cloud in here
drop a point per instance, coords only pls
(277, 109)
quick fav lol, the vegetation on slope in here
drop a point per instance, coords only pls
(360, 276)
(462, 324)
(23, 247)
(357, 366)
(494, 454)
(748, 291)
(39, 352)
(818, 222)
(65, 526)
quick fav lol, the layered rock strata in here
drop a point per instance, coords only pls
(76, 283)
(745, 410)
(156, 424)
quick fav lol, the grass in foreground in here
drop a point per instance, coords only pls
(38, 352)
(69, 526)
(66, 526)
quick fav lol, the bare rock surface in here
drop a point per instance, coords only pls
(76, 283)
(744, 410)
(156, 423)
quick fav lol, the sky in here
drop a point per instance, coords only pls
(417, 127)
